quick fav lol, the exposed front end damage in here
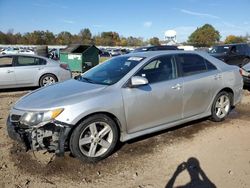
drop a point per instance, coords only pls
(50, 135)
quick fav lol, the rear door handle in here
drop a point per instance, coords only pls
(9, 71)
(177, 86)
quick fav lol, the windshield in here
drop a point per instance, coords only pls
(110, 71)
(219, 49)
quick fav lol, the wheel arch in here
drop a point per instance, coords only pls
(112, 116)
(230, 91)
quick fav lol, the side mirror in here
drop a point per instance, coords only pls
(138, 81)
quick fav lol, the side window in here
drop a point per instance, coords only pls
(160, 69)
(6, 61)
(26, 61)
(191, 64)
(210, 66)
(40, 61)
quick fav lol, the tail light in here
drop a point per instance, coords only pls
(65, 66)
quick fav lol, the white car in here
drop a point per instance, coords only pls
(10, 51)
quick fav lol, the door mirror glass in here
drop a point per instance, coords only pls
(138, 81)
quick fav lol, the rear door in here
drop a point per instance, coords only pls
(27, 69)
(200, 78)
(7, 74)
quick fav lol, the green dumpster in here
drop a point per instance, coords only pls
(80, 58)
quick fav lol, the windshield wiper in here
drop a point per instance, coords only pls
(88, 80)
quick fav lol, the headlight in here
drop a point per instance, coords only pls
(35, 118)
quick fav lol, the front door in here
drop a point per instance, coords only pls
(7, 74)
(157, 103)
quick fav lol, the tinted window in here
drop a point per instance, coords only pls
(41, 61)
(160, 69)
(209, 65)
(191, 64)
(25, 61)
(6, 61)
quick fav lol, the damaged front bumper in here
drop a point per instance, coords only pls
(51, 136)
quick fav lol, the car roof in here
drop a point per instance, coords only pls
(147, 54)
(232, 44)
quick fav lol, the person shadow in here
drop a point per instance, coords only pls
(197, 175)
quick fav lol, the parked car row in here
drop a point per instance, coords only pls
(150, 92)
(112, 52)
(20, 50)
(232, 54)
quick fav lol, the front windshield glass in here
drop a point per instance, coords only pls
(111, 71)
(219, 49)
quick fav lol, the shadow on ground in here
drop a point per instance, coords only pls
(198, 178)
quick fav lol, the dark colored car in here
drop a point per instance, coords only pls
(245, 72)
(155, 48)
(232, 54)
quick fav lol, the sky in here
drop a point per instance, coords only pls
(138, 18)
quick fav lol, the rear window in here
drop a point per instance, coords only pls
(29, 61)
(191, 64)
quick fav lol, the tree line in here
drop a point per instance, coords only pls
(85, 36)
(204, 36)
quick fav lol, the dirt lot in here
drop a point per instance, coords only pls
(215, 155)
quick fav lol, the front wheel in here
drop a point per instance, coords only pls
(94, 138)
(221, 106)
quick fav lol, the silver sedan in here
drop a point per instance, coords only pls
(30, 70)
(124, 98)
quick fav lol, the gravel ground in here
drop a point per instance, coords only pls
(197, 154)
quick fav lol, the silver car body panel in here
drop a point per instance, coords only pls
(142, 110)
(26, 76)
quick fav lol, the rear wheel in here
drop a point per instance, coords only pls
(47, 79)
(221, 106)
(94, 138)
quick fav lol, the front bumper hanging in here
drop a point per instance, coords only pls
(51, 136)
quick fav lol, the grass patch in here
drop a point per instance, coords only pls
(102, 59)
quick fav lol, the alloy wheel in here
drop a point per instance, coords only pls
(96, 139)
(222, 106)
(48, 80)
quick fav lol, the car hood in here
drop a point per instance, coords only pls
(58, 95)
(247, 67)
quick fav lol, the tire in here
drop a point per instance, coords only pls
(94, 138)
(47, 79)
(221, 106)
